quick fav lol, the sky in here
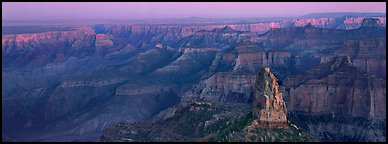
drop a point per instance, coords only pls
(125, 10)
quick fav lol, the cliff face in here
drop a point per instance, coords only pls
(60, 45)
(356, 22)
(184, 31)
(346, 91)
(317, 22)
(135, 34)
(223, 87)
(345, 95)
(103, 40)
(250, 56)
(73, 38)
(39, 49)
(367, 54)
(268, 104)
(278, 57)
(366, 47)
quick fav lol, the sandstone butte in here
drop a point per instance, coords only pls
(268, 105)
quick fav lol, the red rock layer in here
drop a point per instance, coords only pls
(268, 104)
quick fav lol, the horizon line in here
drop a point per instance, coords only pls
(189, 17)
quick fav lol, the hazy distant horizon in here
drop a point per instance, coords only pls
(24, 11)
(125, 19)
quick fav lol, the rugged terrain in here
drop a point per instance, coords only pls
(71, 85)
(204, 121)
(343, 102)
(219, 121)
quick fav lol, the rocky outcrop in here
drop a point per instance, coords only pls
(371, 22)
(351, 22)
(278, 57)
(23, 50)
(74, 39)
(367, 54)
(153, 34)
(366, 43)
(223, 87)
(268, 104)
(339, 89)
(250, 57)
(347, 97)
(256, 27)
(262, 27)
(316, 22)
(103, 40)
(356, 22)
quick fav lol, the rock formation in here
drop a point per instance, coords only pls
(103, 40)
(371, 22)
(250, 57)
(340, 89)
(344, 102)
(268, 104)
(50, 78)
(356, 22)
(223, 87)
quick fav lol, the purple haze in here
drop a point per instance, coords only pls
(116, 10)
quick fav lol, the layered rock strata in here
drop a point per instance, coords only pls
(268, 104)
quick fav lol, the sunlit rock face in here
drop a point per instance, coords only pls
(268, 104)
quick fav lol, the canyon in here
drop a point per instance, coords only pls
(79, 84)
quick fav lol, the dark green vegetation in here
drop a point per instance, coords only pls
(237, 125)
(225, 129)
(291, 133)
(196, 122)
(204, 121)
